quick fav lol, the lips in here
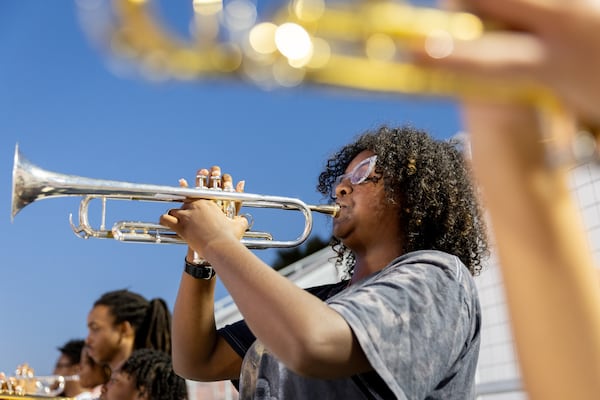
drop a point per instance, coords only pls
(341, 213)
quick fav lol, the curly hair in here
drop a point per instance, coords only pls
(431, 183)
(152, 373)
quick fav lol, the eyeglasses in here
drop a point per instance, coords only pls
(358, 175)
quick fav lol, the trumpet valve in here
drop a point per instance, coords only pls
(215, 180)
(202, 179)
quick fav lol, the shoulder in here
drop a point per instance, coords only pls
(420, 274)
(429, 263)
(434, 258)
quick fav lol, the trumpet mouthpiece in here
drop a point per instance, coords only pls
(331, 209)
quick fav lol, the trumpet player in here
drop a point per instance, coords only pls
(404, 324)
(68, 365)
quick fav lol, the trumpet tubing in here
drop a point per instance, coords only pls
(32, 183)
(22, 386)
(357, 44)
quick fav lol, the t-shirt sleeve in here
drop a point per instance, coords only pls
(239, 336)
(409, 320)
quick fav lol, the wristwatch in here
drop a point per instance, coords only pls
(202, 270)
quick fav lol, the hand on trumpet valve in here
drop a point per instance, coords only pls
(201, 221)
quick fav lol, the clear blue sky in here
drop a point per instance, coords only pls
(70, 114)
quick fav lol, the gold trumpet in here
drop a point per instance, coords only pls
(31, 183)
(25, 383)
(358, 44)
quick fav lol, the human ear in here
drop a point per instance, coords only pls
(126, 329)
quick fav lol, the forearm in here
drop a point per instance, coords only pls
(197, 349)
(193, 324)
(302, 331)
(552, 288)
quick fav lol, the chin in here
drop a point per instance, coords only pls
(339, 235)
(340, 229)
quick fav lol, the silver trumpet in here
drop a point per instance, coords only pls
(31, 183)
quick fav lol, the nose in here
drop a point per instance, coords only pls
(342, 189)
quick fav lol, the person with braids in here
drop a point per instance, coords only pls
(405, 325)
(122, 321)
(146, 375)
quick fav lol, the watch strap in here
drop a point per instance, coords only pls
(200, 271)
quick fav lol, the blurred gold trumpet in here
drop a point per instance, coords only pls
(26, 383)
(363, 45)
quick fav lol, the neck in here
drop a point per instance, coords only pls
(72, 389)
(370, 262)
(118, 361)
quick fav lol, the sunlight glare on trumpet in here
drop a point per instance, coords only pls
(262, 38)
(293, 42)
(380, 47)
(439, 44)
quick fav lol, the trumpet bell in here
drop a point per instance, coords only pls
(26, 183)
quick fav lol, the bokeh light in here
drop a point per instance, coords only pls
(262, 38)
(293, 41)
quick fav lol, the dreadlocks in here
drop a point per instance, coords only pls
(151, 320)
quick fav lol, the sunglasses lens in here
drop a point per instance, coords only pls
(361, 172)
(358, 174)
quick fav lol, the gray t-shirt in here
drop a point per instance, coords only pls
(418, 322)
